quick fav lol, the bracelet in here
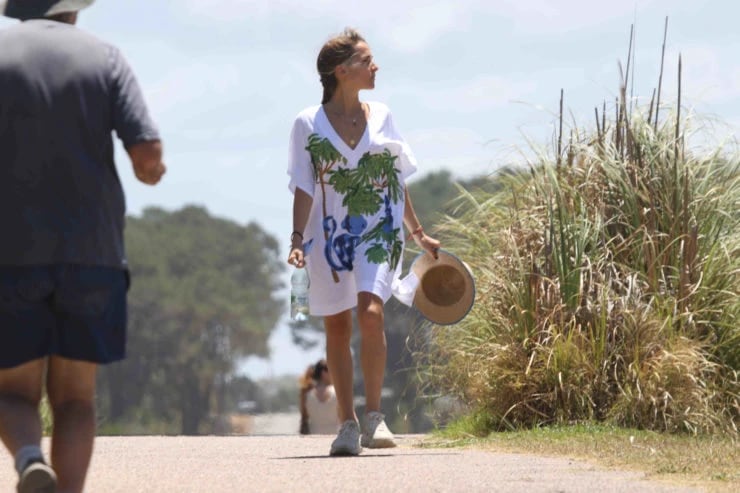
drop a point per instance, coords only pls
(415, 232)
(296, 233)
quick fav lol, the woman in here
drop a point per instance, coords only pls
(348, 167)
(318, 401)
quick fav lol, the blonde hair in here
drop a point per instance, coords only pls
(335, 52)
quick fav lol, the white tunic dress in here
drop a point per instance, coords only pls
(354, 238)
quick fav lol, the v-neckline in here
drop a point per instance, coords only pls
(338, 142)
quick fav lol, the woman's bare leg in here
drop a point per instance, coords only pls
(339, 359)
(373, 351)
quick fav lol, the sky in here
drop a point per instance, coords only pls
(469, 82)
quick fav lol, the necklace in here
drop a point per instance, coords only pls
(352, 119)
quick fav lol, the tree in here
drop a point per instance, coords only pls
(203, 296)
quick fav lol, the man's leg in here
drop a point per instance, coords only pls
(71, 390)
(20, 394)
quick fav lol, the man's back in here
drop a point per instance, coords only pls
(63, 276)
(62, 92)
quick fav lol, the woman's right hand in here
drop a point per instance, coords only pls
(296, 257)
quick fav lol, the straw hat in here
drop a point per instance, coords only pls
(36, 9)
(446, 289)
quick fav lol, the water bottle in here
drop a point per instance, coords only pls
(299, 295)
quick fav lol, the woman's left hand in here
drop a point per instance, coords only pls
(428, 243)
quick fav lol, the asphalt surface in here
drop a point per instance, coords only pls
(293, 463)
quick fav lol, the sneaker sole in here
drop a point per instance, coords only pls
(38, 478)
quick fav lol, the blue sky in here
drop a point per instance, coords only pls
(467, 81)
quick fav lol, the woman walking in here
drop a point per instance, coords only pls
(348, 167)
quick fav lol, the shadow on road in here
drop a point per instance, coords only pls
(361, 456)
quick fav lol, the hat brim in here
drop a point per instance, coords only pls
(450, 313)
(35, 10)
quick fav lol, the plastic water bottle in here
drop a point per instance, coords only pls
(299, 295)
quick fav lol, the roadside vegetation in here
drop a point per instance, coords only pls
(608, 297)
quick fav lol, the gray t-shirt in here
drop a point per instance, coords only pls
(62, 93)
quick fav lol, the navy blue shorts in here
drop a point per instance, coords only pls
(73, 311)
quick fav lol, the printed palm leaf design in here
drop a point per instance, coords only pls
(387, 246)
(366, 189)
(323, 159)
(380, 170)
(363, 187)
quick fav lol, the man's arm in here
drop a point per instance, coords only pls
(146, 158)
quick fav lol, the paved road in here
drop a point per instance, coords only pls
(292, 463)
(275, 424)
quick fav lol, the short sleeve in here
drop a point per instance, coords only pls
(131, 119)
(300, 168)
(406, 160)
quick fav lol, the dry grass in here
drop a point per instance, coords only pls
(608, 281)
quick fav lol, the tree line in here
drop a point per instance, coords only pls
(205, 294)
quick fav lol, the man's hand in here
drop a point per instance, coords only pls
(146, 158)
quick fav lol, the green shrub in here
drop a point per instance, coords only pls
(607, 283)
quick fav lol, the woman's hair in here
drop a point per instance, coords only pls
(335, 52)
(318, 369)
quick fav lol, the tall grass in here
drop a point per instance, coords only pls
(608, 284)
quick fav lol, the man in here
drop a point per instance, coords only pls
(63, 274)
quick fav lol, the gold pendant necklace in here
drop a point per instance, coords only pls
(346, 118)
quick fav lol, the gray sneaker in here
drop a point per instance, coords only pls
(347, 441)
(37, 477)
(377, 434)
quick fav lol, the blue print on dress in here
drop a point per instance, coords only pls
(340, 250)
(354, 224)
(307, 247)
(388, 219)
(383, 237)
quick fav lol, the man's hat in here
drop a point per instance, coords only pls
(446, 289)
(36, 9)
